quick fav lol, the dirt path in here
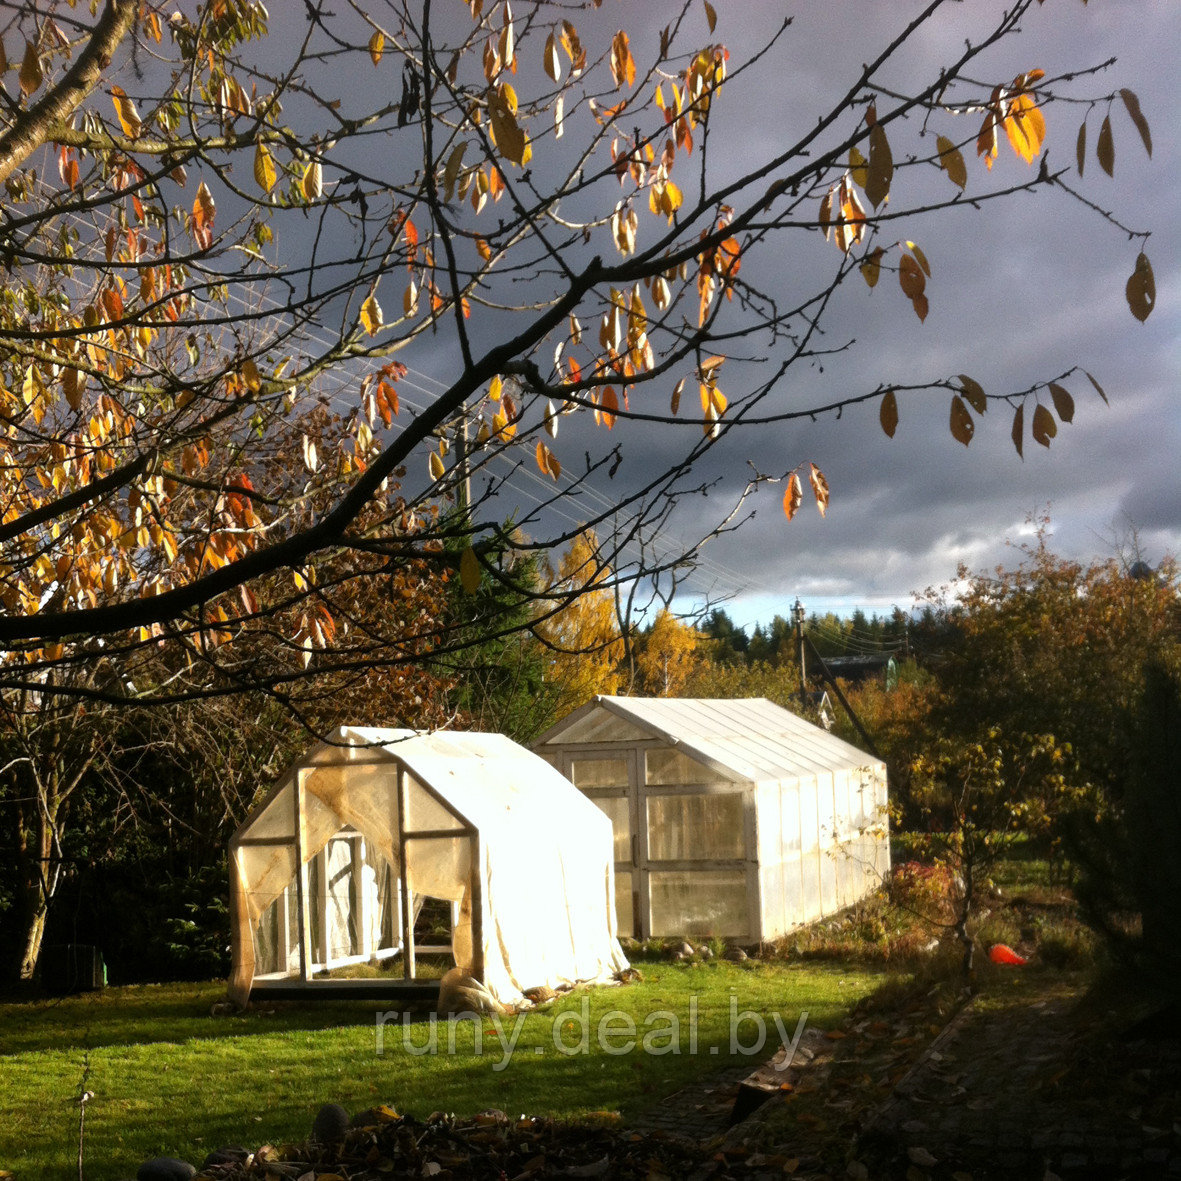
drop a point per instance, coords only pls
(1016, 1088)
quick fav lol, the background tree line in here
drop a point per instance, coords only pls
(1034, 701)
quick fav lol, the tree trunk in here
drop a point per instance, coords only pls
(32, 128)
(33, 934)
(42, 870)
(961, 927)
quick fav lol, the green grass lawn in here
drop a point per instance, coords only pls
(169, 1079)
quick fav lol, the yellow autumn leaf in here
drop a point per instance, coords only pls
(1025, 126)
(371, 318)
(872, 266)
(376, 47)
(469, 571)
(951, 160)
(553, 65)
(312, 184)
(858, 167)
(251, 375)
(265, 172)
(129, 118)
(451, 171)
(435, 464)
(547, 461)
(511, 141)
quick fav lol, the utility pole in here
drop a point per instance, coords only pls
(463, 493)
(797, 614)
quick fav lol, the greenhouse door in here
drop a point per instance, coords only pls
(612, 780)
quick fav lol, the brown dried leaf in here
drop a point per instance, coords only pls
(1019, 429)
(881, 166)
(974, 392)
(1105, 148)
(1141, 289)
(1063, 402)
(793, 497)
(911, 277)
(1044, 426)
(1098, 388)
(1132, 103)
(819, 487)
(888, 414)
(1080, 147)
(962, 426)
(30, 77)
(623, 66)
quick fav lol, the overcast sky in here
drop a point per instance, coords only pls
(1017, 295)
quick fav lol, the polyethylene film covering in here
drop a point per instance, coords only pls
(540, 897)
(696, 827)
(550, 917)
(699, 902)
(364, 796)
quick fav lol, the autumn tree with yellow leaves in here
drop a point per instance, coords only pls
(219, 218)
(580, 628)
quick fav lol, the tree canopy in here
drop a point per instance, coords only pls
(226, 231)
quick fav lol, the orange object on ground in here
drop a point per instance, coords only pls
(1002, 953)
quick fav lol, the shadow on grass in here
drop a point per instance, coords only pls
(148, 1013)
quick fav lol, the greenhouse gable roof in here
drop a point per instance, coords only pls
(750, 738)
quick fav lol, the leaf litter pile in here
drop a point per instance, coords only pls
(488, 1147)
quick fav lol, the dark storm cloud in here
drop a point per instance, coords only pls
(1018, 293)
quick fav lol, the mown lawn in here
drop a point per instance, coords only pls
(170, 1079)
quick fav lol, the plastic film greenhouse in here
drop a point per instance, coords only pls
(331, 871)
(735, 819)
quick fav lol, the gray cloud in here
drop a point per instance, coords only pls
(1019, 293)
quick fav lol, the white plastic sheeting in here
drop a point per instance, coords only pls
(734, 818)
(328, 869)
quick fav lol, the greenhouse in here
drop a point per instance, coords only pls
(329, 873)
(735, 819)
